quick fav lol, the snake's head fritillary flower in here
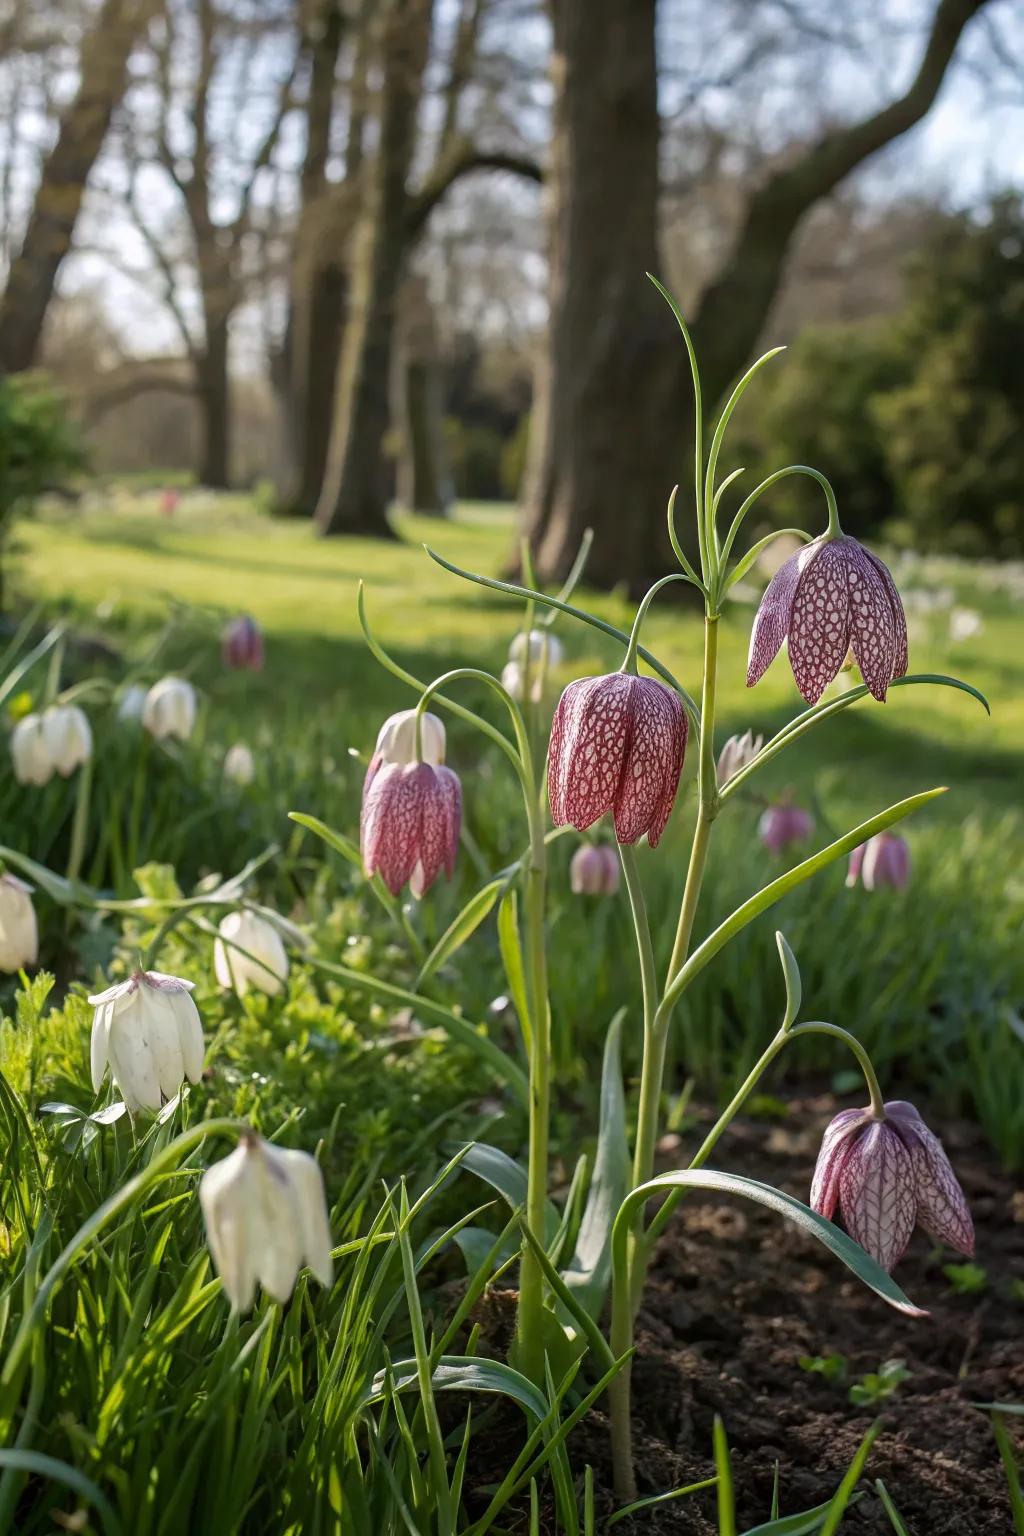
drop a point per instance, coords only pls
(409, 829)
(170, 709)
(396, 742)
(241, 644)
(736, 754)
(884, 860)
(266, 1217)
(594, 870)
(67, 736)
(147, 1031)
(886, 1176)
(249, 953)
(132, 702)
(531, 657)
(30, 756)
(19, 932)
(831, 597)
(239, 764)
(782, 825)
(617, 744)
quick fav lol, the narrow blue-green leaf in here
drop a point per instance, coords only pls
(56, 887)
(336, 840)
(1008, 1458)
(590, 1267)
(895, 1519)
(507, 1176)
(770, 894)
(463, 1373)
(845, 1490)
(569, 1306)
(723, 1470)
(852, 1254)
(803, 1524)
(512, 959)
(461, 929)
(661, 1498)
(460, 1030)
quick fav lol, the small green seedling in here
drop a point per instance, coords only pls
(831, 1367)
(879, 1385)
(966, 1279)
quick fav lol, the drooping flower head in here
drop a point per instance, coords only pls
(617, 744)
(410, 824)
(396, 742)
(241, 644)
(782, 825)
(147, 1030)
(239, 764)
(249, 953)
(594, 870)
(736, 754)
(886, 1176)
(884, 860)
(30, 756)
(832, 596)
(170, 709)
(266, 1216)
(531, 656)
(19, 932)
(57, 741)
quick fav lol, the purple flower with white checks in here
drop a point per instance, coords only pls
(617, 744)
(887, 1176)
(884, 860)
(831, 597)
(409, 830)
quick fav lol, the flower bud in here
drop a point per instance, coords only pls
(410, 824)
(242, 644)
(884, 860)
(617, 744)
(886, 1176)
(239, 764)
(782, 825)
(147, 1030)
(170, 709)
(19, 933)
(266, 1216)
(67, 737)
(594, 870)
(30, 756)
(736, 754)
(253, 956)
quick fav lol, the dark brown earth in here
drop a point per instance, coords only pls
(735, 1298)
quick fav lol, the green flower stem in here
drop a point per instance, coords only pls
(707, 808)
(863, 1059)
(629, 661)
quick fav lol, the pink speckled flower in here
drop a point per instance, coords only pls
(594, 870)
(242, 644)
(883, 860)
(409, 830)
(831, 597)
(617, 744)
(886, 1176)
(782, 825)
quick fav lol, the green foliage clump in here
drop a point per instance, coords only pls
(38, 446)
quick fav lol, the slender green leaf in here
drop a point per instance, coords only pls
(508, 1177)
(803, 1524)
(723, 1471)
(35, 1464)
(660, 1498)
(336, 840)
(589, 1270)
(844, 1248)
(569, 1305)
(1010, 1467)
(461, 929)
(895, 1519)
(844, 1492)
(463, 1373)
(512, 960)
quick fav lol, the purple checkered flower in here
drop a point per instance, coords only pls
(887, 1176)
(409, 829)
(617, 744)
(241, 644)
(831, 597)
(782, 825)
(594, 870)
(883, 860)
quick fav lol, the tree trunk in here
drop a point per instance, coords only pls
(600, 454)
(611, 413)
(354, 497)
(424, 476)
(215, 406)
(103, 74)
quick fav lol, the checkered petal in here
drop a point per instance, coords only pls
(899, 618)
(819, 621)
(878, 1193)
(650, 776)
(449, 791)
(941, 1205)
(872, 622)
(771, 623)
(392, 823)
(839, 1133)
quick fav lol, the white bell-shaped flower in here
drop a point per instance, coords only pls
(30, 756)
(266, 1217)
(539, 647)
(132, 702)
(250, 953)
(19, 932)
(170, 709)
(67, 736)
(147, 1030)
(239, 764)
(396, 740)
